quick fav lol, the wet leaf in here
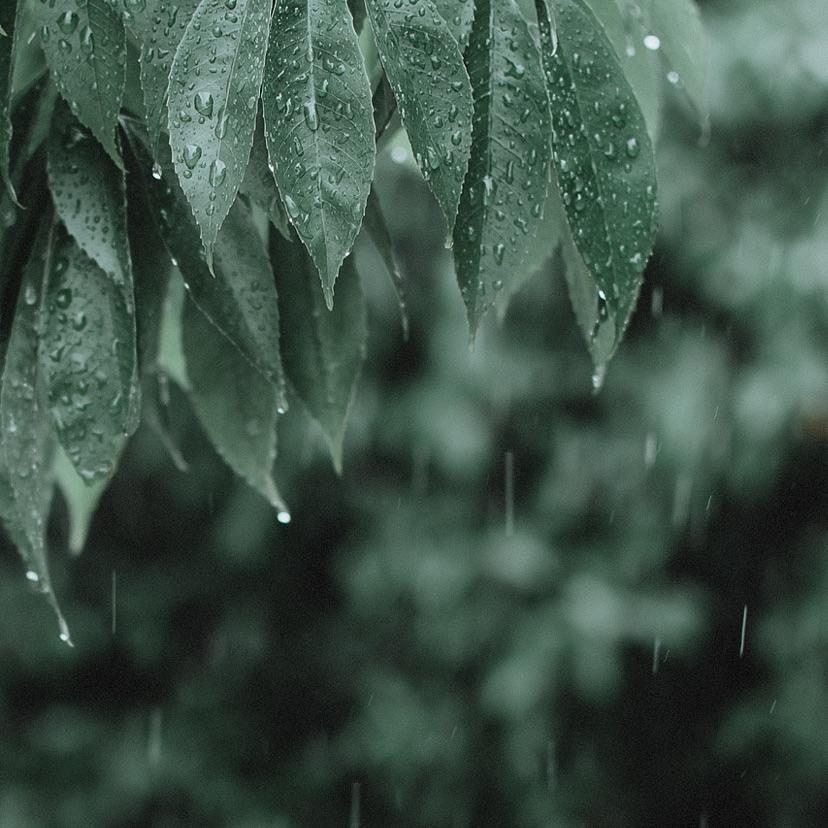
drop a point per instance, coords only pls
(89, 360)
(89, 194)
(604, 162)
(425, 69)
(215, 80)
(81, 500)
(9, 12)
(236, 406)
(158, 26)
(503, 196)
(459, 15)
(240, 299)
(319, 127)
(28, 437)
(323, 350)
(85, 47)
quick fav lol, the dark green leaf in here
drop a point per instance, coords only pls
(459, 14)
(81, 500)
(215, 80)
(323, 350)
(605, 166)
(85, 47)
(319, 128)
(89, 360)
(158, 26)
(240, 300)
(503, 197)
(425, 68)
(9, 11)
(89, 194)
(236, 406)
(27, 437)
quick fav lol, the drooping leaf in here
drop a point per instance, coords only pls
(9, 12)
(357, 9)
(236, 406)
(215, 80)
(385, 107)
(604, 161)
(81, 500)
(89, 194)
(459, 15)
(503, 196)
(380, 236)
(85, 47)
(323, 350)
(240, 299)
(641, 65)
(27, 435)
(425, 68)
(259, 185)
(320, 133)
(158, 26)
(89, 360)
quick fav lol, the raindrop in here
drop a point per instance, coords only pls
(283, 517)
(652, 42)
(203, 103)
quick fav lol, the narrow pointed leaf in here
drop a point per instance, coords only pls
(89, 359)
(158, 26)
(89, 194)
(236, 406)
(81, 500)
(323, 350)
(215, 80)
(85, 47)
(27, 435)
(604, 161)
(503, 197)
(9, 13)
(319, 128)
(240, 299)
(459, 15)
(425, 68)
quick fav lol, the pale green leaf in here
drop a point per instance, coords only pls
(85, 47)
(236, 406)
(604, 162)
(323, 350)
(215, 80)
(425, 69)
(81, 500)
(502, 203)
(158, 26)
(27, 435)
(89, 194)
(459, 14)
(88, 358)
(319, 127)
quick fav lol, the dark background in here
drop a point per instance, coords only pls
(582, 670)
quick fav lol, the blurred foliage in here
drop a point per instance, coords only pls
(394, 655)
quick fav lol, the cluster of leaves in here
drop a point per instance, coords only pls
(185, 182)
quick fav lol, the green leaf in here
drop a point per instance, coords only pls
(27, 435)
(459, 15)
(215, 80)
(259, 185)
(240, 299)
(319, 127)
(677, 27)
(9, 12)
(236, 406)
(503, 197)
(605, 165)
(81, 500)
(85, 47)
(89, 194)
(88, 359)
(323, 350)
(380, 236)
(641, 66)
(425, 69)
(158, 26)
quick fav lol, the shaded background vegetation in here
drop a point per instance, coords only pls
(404, 654)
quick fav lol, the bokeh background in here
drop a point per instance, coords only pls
(631, 629)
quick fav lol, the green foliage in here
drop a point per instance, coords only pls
(231, 147)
